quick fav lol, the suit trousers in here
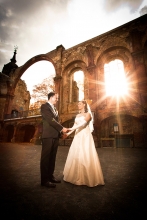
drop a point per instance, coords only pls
(48, 157)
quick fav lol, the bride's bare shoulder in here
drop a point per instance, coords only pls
(87, 116)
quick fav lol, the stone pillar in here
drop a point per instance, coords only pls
(92, 85)
(75, 92)
(139, 63)
(3, 99)
(9, 100)
(2, 131)
(3, 95)
(57, 80)
(14, 134)
(37, 135)
(97, 131)
(91, 68)
(144, 124)
(141, 77)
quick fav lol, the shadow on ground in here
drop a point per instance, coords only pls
(123, 197)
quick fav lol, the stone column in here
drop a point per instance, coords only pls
(14, 134)
(5, 95)
(97, 131)
(37, 135)
(57, 80)
(91, 69)
(9, 100)
(141, 76)
(139, 63)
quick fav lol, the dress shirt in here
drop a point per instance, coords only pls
(54, 109)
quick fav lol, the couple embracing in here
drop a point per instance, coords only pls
(82, 165)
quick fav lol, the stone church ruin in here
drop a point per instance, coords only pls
(117, 122)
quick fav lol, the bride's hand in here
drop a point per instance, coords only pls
(68, 129)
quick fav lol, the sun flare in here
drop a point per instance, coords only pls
(115, 79)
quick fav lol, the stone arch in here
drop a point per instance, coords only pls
(109, 42)
(24, 132)
(74, 55)
(77, 64)
(114, 52)
(65, 90)
(15, 76)
(108, 55)
(8, 133)
(29, 132)
(19, 71)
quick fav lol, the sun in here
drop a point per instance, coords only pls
(115, 79)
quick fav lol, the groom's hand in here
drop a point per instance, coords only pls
(64, 130)
(64, 136)
(68, 130)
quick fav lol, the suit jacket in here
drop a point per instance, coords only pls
(51, 126)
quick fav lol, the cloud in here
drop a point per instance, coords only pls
(143, 11)
(28, 24)
(39, 26)
(16, 16)
(4, 59)
(113, 5)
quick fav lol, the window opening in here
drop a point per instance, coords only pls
(79, 79)
(115, 79)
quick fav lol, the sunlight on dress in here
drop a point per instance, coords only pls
(82, 165)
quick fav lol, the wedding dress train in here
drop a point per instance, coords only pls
(82, 165)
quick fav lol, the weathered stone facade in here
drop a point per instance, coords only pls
(22, 97)
(127, 43)
(19, 101)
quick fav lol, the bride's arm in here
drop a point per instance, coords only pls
(75, 126)
(82, 123)
(88, 117)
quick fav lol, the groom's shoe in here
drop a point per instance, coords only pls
(54, 180)
(48, 184)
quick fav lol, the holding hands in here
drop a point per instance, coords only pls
(65, 133)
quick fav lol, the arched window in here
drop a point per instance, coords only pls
(39, 80)
(77, 86)
(79, 78)
(115, 79)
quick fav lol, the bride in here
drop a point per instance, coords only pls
(82, 165)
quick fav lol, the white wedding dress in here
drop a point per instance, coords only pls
(82, 165)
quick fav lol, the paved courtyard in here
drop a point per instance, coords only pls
(22, 198)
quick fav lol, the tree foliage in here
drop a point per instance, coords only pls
(41, 91)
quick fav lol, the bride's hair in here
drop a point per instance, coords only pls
(85, 103)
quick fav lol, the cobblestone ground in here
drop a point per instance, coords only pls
(123, 197)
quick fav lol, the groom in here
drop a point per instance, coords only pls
(52, 130)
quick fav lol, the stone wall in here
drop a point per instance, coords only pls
(127, 43)
(22, 97)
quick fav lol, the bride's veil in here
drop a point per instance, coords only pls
(91, 121)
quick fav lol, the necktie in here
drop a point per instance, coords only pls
(55, 111)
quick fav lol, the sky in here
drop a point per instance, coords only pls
(39, 26)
